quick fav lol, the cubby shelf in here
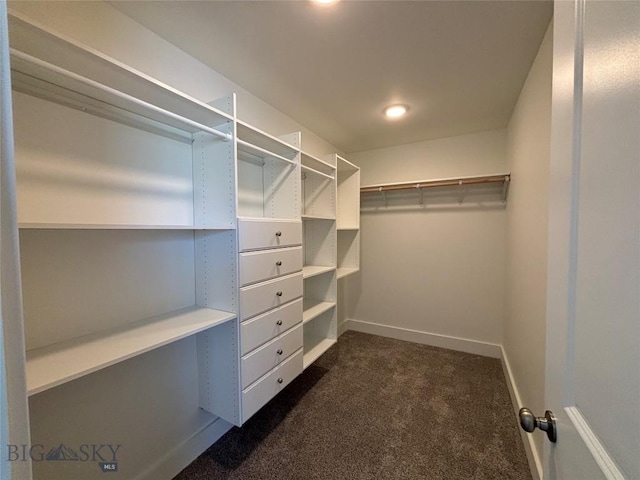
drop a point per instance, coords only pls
(317, 217)
(343, 272)
(319, 164)
(314, 308)
(53, 365)
(309, 271)
(314, 347)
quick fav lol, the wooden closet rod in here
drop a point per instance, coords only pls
(445, 182)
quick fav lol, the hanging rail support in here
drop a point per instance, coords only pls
(117, 93)
(505, 188)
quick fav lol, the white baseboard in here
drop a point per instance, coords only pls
(186, 452)
(535, 464)
(435, 340)
(342, 327)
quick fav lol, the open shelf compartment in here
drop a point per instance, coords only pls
(320, 334)
(53, 365)
(348, 252)
(319, 246)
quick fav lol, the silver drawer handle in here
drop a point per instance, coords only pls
(279, 351)
(280, 380)
(278, 233)
(279, 294)
(279, 322)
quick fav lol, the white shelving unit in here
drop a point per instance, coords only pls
(348, 217)
(319, 244)
(152, 221)
(127, 214)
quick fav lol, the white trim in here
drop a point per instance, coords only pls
(435, 340)
(186, 452)
(533, 457)
(595, 446)
(342, 327)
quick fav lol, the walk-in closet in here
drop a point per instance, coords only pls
(318, 239)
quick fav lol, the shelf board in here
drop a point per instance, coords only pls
(306, 168)
(310, 159)
(309, 271)
(53, 365)
(113, 226)
(343, 272)
(346, 166)
(265, 141)
(348, 228)
(314, 347)
(316, 217)
(313, 308)
(68, 55)
(256, 152)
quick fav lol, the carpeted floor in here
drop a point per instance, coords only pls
(377, 408)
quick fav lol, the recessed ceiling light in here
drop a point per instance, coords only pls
(395, 111)
(324, 2)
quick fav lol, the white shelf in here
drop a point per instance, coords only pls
(343, 272)
(92, 64)
(314, 347)
(346, 166)
(309, 271)
(260, 153)
(317, 217)
(314, 308)
(310, 159)
(53, 365)
(349, 228)
(110, 226)
(317, 172)
(263, 140)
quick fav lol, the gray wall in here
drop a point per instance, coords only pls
(528, 152)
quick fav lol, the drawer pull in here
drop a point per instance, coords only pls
(279, 263)
(280, 380)
(278, 233)
(279, 322)
(279, 294)
(279, 351)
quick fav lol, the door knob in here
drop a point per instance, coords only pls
(529, 422)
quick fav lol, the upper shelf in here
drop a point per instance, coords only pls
(50, 66)
(346, 165)
(263, 145)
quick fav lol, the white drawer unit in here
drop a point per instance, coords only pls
(255, 234)
(266, 264)
(263, 359)
(264, 296)
(261, 329)
(259, 393)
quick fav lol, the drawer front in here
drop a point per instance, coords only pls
(267, 295)
(265, 264)
(261, 329)
(258, 394)
(257, 234)
(269, 356)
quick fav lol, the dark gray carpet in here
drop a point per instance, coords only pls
(377, 408)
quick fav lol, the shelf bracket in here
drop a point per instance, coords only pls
(505, 188)
(421, 195)
(463, 192)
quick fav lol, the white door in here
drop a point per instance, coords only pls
(593, 309)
